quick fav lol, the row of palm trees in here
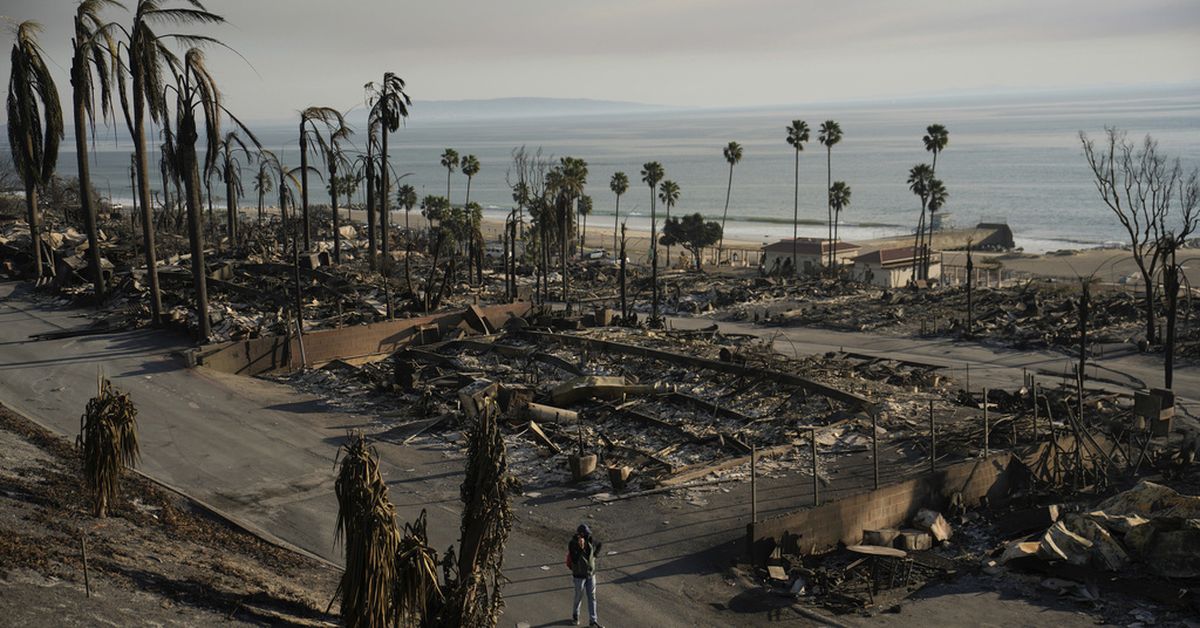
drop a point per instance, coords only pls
(137, 67)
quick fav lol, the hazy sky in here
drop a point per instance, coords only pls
(676, 52)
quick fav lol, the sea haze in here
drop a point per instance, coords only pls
(1013, 157)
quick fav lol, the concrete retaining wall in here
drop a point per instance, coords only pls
(819, 529)
(815, 530)
(270, 353)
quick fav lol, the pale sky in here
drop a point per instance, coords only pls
(708, 53)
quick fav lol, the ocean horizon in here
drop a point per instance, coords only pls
(1015, 159)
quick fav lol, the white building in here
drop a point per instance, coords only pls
(892, 268)
(811, 253)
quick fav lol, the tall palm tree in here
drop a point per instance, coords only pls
(919, 178)
(936, 139)
(668, 193)
(389, 105)
(262, 184)
(830, 134)
(937, 198)
(619, 184)
(584, 208)
(652, 173)
(449, 162)
(332, 121)
(839, 199)
(797, 136)
(470, 168)
(406, 197)
(147, 52)
(567, 183)
(733, 155)
(335, 158)
(35, 124)
(94, 47)
(368, 168)
(231, 174)
(195, 90)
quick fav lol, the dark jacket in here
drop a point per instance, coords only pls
(583, 559)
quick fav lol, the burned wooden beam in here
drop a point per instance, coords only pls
(698, 471)
(703, 363)
(708, 406)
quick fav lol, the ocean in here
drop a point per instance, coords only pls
(1014, 159)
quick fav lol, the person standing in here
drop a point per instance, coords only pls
(581, 559)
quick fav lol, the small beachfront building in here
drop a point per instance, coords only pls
(892, 267)
(811, 253)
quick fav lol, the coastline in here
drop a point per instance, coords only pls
(1114, 266)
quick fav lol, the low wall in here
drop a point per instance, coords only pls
(819, 529)
(270, 353)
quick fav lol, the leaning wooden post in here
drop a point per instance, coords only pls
(932, 440)
(816, 495)
(87, 583)
(753, 483)
(875, 445)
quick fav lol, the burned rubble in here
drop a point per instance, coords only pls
(1033, 315)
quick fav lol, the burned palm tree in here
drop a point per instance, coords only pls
(474, 597)
(270, 162)
(35, 125)
(331, 155)
(148, 54)
(311, 121)
(230, 171)
(262, 184)
(366, 527)
(92, 64)
(418, 592)
(196, 92)
(389, 105)
(108, 440)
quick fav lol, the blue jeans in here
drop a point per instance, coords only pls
(587, 584)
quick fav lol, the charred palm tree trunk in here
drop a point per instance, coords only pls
(139, 147)
(624, 303)
(333, 205)
(304, 185)
(31, 204)
(383, 202)
(190, 172)
(231, 211)
(370, 209)
(85, 184)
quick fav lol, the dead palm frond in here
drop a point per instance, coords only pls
(418, 593)
(366, 526)
(35, 123)
(487, 519)
(108, 438)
